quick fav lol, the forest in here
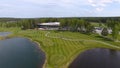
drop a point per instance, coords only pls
(74, 24)
(30, 23)
(62, 47)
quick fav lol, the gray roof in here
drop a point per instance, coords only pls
(50, 23)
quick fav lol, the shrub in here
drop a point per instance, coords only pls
(104, 32)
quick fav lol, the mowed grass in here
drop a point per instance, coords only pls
(61, 48)
(96, 24)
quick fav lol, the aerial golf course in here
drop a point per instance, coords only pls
(62, 47)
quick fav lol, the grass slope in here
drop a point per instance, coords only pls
(61, 48)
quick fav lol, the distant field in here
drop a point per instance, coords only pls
(61, 48)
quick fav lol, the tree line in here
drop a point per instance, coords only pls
(74, 24)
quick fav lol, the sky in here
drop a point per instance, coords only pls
(59, 8)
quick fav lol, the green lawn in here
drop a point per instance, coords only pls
(96, 24)
(61, 48)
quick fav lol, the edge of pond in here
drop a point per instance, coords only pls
(38, 45)
(45, 61)
(36, 42)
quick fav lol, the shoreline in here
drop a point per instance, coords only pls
(33, 41)
(39, 47)
(66, 65)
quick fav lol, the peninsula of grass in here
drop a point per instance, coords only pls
(61, 48)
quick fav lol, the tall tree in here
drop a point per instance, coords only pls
(115, 26)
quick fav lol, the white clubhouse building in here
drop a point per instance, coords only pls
(49, 26)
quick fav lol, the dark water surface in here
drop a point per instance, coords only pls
(20, 53)
(97, 58)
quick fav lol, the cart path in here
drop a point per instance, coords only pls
(47, 35)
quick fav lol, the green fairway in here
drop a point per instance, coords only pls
(96, 24)
(61, 48)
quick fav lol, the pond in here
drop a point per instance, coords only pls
(4, 33)
(20, 53)
(97, 58)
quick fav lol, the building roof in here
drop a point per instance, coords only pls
(50, 23)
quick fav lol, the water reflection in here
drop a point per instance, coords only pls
(20, 53)
(4, 33)
(97, 58)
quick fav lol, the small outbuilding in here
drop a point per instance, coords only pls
(99, 30)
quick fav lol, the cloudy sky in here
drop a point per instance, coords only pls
(59, 8)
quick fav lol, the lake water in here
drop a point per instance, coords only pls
(20, 53)
(4, 33)
(97, 58)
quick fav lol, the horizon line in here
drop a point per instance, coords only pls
(65, 17)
